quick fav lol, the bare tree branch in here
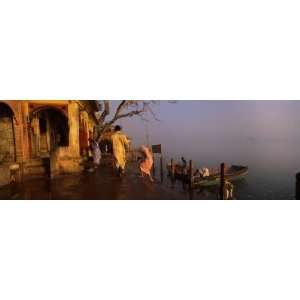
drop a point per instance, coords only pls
(105, 112)
(130, 114)
(126, 109)
(120, 107)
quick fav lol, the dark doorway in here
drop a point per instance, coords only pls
(53, 131)
(7, 136)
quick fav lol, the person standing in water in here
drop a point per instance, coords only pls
(147, 163)
(96, 152)
(120, 145)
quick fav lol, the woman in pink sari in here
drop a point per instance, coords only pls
(147, 163)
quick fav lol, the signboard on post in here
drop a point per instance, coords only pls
(156, 149)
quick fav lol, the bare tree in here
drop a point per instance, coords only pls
(126, 109)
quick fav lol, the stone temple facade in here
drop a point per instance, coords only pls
(44, 137)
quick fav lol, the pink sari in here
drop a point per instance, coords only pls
(147, 163)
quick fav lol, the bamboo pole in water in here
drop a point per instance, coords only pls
(298, 186)
(222, 181)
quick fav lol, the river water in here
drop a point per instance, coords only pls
(272, 166)
(264, 135)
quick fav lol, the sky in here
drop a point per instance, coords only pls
(213, 121)
(264, 134)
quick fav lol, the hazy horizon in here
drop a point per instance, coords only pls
(218, 121)
(264, 135)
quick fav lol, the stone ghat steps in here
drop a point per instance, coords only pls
(4, 174)
(36, 167)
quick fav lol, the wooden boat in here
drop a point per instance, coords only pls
(232, 173)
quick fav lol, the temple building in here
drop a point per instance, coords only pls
(44, 137)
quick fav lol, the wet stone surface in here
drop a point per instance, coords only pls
(99, 184)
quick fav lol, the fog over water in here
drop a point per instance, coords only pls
(265, 135)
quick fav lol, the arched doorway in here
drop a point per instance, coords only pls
(49, 130)
(7, 135)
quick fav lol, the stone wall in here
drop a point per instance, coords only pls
(8, 153)
(4, 174)
(7, 141)
(66, 160)
(16, 139)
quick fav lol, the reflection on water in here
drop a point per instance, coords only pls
(261, 134)
(101, 184)
(272, 166)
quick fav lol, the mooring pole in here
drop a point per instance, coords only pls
(173, 173)
(153, 169)
(222, 181)
(191, 174)
(161, 170)
(185, 174)
(172, 168)
(298, 186)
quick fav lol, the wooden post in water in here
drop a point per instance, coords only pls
(161, 170)
(191, 174)
(172, 169)
(153, 169)
(184, 177)
(172, 173)
(222, 181)
(298, 186)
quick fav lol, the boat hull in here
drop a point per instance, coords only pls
(233, 173)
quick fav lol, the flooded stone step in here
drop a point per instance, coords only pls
(36, 167)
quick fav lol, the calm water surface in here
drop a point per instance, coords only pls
(272, 165)
(261, 134)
